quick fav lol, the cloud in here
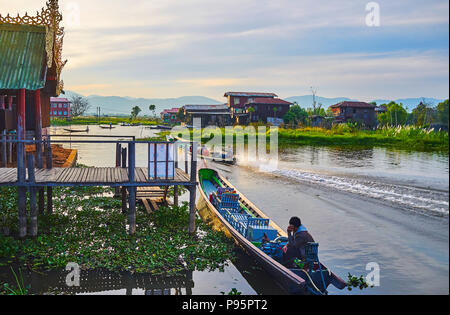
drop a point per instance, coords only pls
(172, 48)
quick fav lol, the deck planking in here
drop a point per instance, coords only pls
(98, 175)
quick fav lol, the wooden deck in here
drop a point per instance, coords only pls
(94, 176)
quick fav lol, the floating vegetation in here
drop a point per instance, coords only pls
(355, 282)
(87, 227)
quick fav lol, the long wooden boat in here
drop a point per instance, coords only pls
(218, 158)
(295, 280)
(77, 130)
(106, 127)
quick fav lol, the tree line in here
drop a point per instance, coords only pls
(423, 115)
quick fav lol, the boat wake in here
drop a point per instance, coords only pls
(429, 201)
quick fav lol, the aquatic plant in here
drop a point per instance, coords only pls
(19, 289)
(355, 282)
(233, 291)
(88, 227)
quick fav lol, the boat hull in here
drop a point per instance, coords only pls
(291, 281)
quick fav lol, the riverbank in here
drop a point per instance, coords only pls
(93, 120)
(405, 138)
(87, 227)
(408, 138)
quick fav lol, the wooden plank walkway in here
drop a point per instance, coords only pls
(101, 176)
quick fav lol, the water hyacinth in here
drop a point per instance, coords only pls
(88, 227)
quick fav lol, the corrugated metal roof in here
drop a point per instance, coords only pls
(265, 100)
(59, 100)
(250, 94)
(22, 57)
(353, 104)
(206, 107)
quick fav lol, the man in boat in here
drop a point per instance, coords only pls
(298, 237)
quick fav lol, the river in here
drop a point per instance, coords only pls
(363, 205)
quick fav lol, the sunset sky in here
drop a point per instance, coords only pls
(171, 48)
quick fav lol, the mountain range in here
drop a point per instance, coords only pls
(122, 105)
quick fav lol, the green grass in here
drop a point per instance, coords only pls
(92, 120)
(407, 138)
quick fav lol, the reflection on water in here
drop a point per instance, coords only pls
(101, 281)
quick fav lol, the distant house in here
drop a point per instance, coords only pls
(169, 116)
(263, 105)
(380, 109)
(210, 115)
(360, 112)
(59, 107)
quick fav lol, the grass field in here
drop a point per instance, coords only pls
(407, 138)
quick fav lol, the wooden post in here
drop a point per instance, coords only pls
(186, 160)
(4, 146)
(175, 166)
(175, 196)
(131, 189)
(22, 205)
(21, 135)
(32, 191)
(124, 190)
(118, 164)
(10, 159)
(38, 127)
(21, 171)
(38, 138)
(49, 164)
(192, 189)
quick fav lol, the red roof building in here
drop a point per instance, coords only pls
(170, 115)
(360, 112)
(60, 107)
(264, 105)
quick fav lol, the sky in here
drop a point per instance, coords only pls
(173, 48)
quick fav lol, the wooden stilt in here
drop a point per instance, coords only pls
(175, 196)
(4, 148)
(118, 164)
(41, 200)
(123, 189)
(38, 138)
(193, 189)
(192, 192)
(132, 210)
(49, 165)
(22, 205)
(21, 171)
(124, 200)
(131, 190)
(32, 191)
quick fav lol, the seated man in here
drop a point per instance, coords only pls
(298, 237)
